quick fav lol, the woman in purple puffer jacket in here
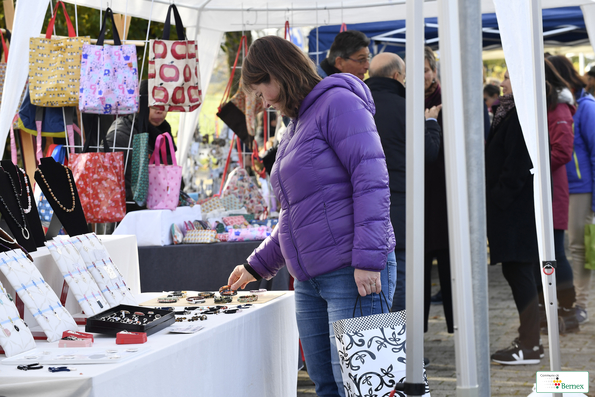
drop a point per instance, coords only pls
(334, 232)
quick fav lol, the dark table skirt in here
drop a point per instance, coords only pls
(198, 267)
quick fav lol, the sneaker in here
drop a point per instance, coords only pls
(541, 350)
(581, 315)
(517, 355)
(436, 299)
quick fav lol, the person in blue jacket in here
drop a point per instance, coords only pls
(581, 178)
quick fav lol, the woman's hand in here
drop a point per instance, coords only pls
(367, 282)
(432, 113)
(239, 278)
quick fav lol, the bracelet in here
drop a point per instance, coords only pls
(167, 300)
(223, 299)
(205, 295)
(227, 291)
(247, 298)
(195, 299)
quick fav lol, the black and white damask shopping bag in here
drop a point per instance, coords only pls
(372, 354)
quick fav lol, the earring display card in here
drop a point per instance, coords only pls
(37, 295)
(81, 283)
(15, 336)
(103, 269)
(82, 355)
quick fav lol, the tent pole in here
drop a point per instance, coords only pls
(415, 192)
(542, 182)
(457, 196)
(472, 68)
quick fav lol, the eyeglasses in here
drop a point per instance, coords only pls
(361, 61)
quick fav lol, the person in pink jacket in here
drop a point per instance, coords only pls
(561, 108)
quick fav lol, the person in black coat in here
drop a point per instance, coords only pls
(387, 74)
(511, 225)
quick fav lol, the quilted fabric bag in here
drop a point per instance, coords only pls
(200, 237)
(240, 184)
(99, 179)
(174, 78)
(109, 75)
(234, 221)
(164, 180)
(140, 168)
(54, 66)
(212, 204)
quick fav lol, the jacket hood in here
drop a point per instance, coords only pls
(565, 96)
(584, 96)
(343, 81)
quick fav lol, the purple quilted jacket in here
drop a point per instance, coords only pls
(331, 179)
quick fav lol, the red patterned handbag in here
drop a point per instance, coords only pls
(99, 179)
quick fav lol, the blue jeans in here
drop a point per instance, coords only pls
(323, 300)
(399, 298)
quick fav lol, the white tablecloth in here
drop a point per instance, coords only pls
(122, 250)
(153, 227)
(249, 354)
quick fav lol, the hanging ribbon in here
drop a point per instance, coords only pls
(287, 31)
(4, 47)
(227, 92)
(13, 145)
(343, 27)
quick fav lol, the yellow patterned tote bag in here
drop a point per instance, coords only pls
(54, 66)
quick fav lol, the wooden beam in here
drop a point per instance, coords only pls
(122, 30)
(9, 13)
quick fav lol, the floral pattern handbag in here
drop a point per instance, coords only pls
(109, 75)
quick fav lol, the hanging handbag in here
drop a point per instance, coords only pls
(109, 75)
(590, 246)
(174, 78)
(372, 352)
(99, 179)
(164, 180)
(54, 66)
(140, 168)
(241, 185)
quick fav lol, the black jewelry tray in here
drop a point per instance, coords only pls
(112, 328)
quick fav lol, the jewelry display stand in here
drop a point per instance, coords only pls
(14, 213)
(7, 243)
(15, 336)
(104, 271)
(57, 184)
(39, 298)
(25, 193)
(72, 356)
(80, 281)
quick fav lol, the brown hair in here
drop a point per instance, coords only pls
(554, 83)
(272, 57)
(568, 72)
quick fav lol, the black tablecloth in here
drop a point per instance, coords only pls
(198, 267)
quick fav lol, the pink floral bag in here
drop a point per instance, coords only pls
(109, 75)
(164, 180)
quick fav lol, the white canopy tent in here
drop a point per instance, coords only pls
(207, 20)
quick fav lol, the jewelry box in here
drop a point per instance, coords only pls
(130, 318)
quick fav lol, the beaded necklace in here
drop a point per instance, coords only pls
(52, 193)
(28, 209)
(23, 227)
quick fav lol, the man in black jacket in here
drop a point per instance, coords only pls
(387, 75)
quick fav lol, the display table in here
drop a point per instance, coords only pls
(198, 267)
(251, 353)
(122, 250)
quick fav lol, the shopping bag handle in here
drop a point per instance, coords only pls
(116, 35)
(179, 25)
(71, 31)
(227, 92)
(4, 48)
(161, 145)
(358, 299)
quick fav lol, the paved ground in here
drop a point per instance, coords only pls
(577, 349)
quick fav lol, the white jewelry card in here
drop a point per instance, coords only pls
(103, 269)
(36, 294)
(15, 336)
(80, 281)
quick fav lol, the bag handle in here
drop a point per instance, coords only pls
(227, 92)
(160, 144)
(88, 134)
(358, 299)
(179, 25)
(343, 28)
(116, 36)
(71, 31)
(4, 48)
(287, 30)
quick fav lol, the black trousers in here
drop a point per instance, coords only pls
(521, 278)
(443, 259)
